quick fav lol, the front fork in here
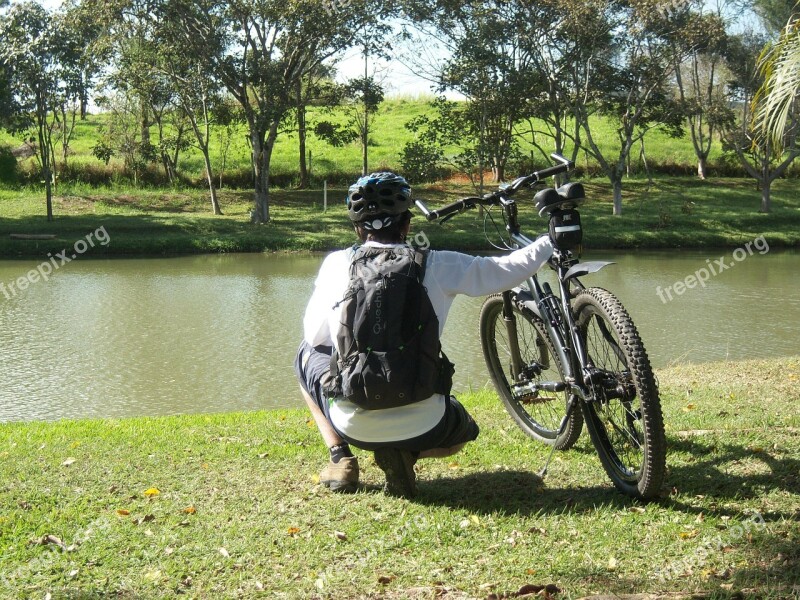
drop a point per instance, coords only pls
(511, 330)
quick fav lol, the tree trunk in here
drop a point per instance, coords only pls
(766, 187)
(617, 186)
(210, 179)
(48, 186)
(145, 126)
(260, 195)
(364, 142)
(498, 173)
(262, 155)
(702, 167)
(301, 136)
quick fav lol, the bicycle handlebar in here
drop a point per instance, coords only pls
(495, 197)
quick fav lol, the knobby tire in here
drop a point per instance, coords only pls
(627, 428)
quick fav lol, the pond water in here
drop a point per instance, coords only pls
(126, 337)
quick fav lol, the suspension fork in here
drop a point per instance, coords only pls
(511, 330)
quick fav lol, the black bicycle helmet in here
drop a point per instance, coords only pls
(379, 199)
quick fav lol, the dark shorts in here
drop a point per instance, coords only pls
(456, 426)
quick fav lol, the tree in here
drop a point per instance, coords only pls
(763, 160)
(38, 62)
(260, 50)
(625, 77)
(198, 97)
(138, 72)
(7, 108)
(430, 154)
(316, 88)
(195, 93)
(364, 96)
(699, 77)
(490, 64)
(562, 41)
(121, 135)
(359, 100)
(84, 31)
(775, 14)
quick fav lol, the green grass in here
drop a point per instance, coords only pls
(389, 136)
(240, 512)
(674, 212)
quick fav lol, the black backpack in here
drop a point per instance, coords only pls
(389, 337)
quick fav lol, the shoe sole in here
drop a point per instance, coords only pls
(401, 480)
(342, 487)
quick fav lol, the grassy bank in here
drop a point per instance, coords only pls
(223, 506)
(674, 212)
(388, 136)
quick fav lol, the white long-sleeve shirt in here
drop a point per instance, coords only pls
(447, 274)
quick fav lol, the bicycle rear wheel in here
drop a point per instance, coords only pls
(537, 412)
(624, 415)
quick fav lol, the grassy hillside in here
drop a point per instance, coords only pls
(341, 164)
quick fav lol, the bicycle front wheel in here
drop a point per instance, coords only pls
(536, 411)
(624, 413)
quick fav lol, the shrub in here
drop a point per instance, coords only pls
(8, 166)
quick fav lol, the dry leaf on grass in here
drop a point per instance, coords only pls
(151, 492)
(52, 539)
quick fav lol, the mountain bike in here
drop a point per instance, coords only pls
(565, 358)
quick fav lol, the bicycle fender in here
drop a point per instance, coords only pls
(585, 268)
(524, 300)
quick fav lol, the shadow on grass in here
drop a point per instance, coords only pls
(518, 492)
(708, 474)
(767, 562)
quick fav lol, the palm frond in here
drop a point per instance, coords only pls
(780, 66)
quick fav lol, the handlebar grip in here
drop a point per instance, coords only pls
(430, 216)
(555, 170)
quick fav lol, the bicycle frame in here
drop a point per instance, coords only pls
(558, 320)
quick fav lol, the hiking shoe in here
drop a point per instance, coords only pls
(341, 476)
(398, 465)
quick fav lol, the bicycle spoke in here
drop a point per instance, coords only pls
(541, 414)
(620, 417)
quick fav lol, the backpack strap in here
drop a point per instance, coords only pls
(421, 258)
